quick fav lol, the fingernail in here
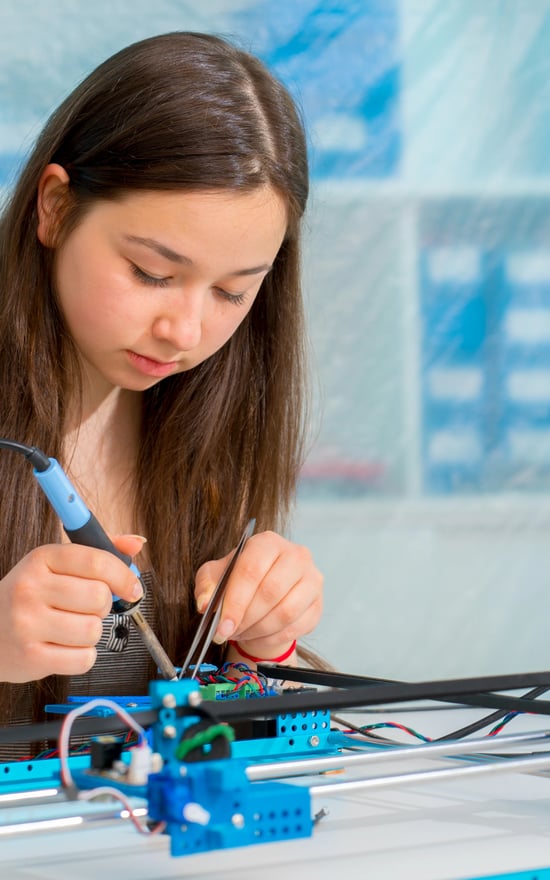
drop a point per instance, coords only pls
(202, 602)
(137, 592)
(140, 537)
(224, 631)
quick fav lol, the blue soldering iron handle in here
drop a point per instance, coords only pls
(79, 523)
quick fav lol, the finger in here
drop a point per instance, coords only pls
(277, 592)
(79, 596)
(59, 660)
(250, 569)
(66, 629)
(89, 563)
(299, 607)
(277, 643)
(131, 545)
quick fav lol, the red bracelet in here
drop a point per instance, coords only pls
(280, 659)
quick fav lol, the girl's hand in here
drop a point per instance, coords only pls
(274, 595)
(52, 604)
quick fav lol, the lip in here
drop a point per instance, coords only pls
(150, 367)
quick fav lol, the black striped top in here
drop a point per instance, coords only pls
(121, 668)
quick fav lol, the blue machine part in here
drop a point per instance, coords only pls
(19, 776)
(211, 804)
(296, 732)
(536, 874)
(293, 733)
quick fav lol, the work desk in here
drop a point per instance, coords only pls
(444, 830)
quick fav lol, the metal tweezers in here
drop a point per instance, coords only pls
(211, 617)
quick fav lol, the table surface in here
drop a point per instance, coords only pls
(444, 830)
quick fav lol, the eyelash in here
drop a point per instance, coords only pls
(237, 299)
(151, 280)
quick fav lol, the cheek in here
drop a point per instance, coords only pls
(90, 299)
(229, 320)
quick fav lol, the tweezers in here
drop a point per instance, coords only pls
(211, 617)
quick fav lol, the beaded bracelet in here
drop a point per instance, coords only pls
(280, 659)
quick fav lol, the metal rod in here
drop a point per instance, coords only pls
(64, 823)
(503, 766)
(306, 766)
(157, 652)
(39, 795)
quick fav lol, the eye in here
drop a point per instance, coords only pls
(145, 278)
(236, 298)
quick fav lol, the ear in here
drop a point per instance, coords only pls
(52, 187)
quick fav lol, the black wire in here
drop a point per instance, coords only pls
(32, 453)
(466, 690)
(368, 735)
(328, 678)
(94, 725)
(233, 710)
(489, 719)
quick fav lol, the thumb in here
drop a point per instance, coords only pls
(131, 545)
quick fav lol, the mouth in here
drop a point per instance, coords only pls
(150, 367)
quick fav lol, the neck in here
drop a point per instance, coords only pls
(101, 447)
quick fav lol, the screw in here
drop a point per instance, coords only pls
(194, 698)
(169, 732)
(314, 741)
(237, 820)
(168, 701)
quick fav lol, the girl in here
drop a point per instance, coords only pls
(152, 342)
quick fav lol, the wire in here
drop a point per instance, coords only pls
(101, 791)
(366, 729)
(237, 673)
(490, 719)
(370, 736)
(93, 793)
(64, 736)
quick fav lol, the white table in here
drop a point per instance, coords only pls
(444, 830)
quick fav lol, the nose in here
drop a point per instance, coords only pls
(180, 323)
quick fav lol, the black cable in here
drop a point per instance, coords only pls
(87, 726)
(488, 719)
(469, 688)
(376, 694)
(344, 679)
(33, 454)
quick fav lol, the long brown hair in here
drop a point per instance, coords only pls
(224, 441)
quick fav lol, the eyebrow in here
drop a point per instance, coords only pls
(174, 257)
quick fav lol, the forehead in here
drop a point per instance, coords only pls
(215, 224)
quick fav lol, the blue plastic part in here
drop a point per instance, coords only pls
(212, 804)
(297, 733)
(37, 773)
(130, 704)
(62, 495)
(534, 874)
(76, 518)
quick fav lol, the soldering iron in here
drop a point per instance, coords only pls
(82, 527)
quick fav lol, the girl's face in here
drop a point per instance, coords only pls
(155, 283)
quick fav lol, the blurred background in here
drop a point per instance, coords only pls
(425, 495)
